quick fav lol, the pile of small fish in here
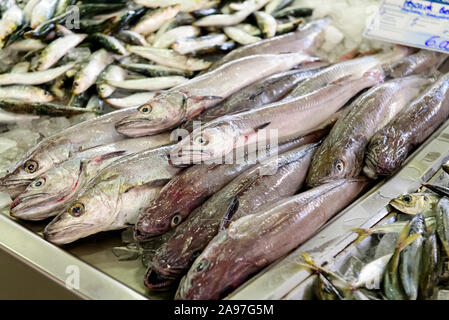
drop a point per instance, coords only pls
(220, 221)
(411, 259)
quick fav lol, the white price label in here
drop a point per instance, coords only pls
(415, 23)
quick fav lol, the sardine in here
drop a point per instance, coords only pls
(89, 73)
(267, 23)
(197, 95)
(341, 154)
(112, 200)
(170, 58)
(134, 100)
(174, 257)
(294, 11)
(289, 117)
(9, 117)
(200, 44)
(153, 20)
(193, 186)
(51, 191)
(42, 11)
(240, 36)
(306, 40)
(112, 72)
(34, 78)
(171, 36)
(28, 10)
(131, 37)
(241, 250)
(25, 93)
(390, 146)
(9, 22)
(422, 62)
(40, 108)
(184, 5)
(415, 203)
(110, 43)
(149, 84)
(276, 5)
(57, 49)
(154, 70)
(60, 147)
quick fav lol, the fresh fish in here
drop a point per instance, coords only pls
(280, 227)
(9, 22)
(154, 70)
(431, 266)
(416, 203)
(200, 44)
(51, 191)
(305, 40)
(174, 257)
(289, 117)
(171, 36)
(25, 93)
(57, 49)
(40, 108)
(42, 11)
(28, 10)
(60, 147)
(240, 36)
(248, 7)
(112, 72)
(34, 78)
(112, 200)
(192, 98)
(132, 37)
(295, 11)
(267, 23)
(341, 154)
(184, 5)
(390, 146)
(410, 259)
(285, 27)
(442, 223)
(195, 185)
(89, 73)
(422, 62)
(110, 43)
(9, 117)
(260, 93)
(153, 20)
(45, 29)
(27, 45)
(353, 68)
(276, 5)
(170, 58)
(155, 83)
(134, 100)
(392, 286)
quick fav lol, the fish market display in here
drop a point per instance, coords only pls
(221, 135)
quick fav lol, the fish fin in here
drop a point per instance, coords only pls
(108, 156)
(261, 127)
(362, 234)
(232, 208)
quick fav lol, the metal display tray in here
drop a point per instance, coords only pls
(102, 276)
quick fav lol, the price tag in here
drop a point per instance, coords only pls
(414, 23)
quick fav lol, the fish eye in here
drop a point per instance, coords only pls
(339, 165)
(175, 220)
(407, 199)
(76, 210)
(201, 266)
(31, 166)
(38, 183)
(201, 140)
(145, 109)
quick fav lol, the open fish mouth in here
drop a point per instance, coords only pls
(156, 281)
(57, 234)
(22, 205)
(186, 157)
(369, 168)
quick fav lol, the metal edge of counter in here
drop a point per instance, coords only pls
(280, 279)
(52, 262)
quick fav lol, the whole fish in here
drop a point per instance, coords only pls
(260, 93)
(390, 146)
(195, 185)
(240, 36)
(40, 108)
(410, 259)
(175, 256)
(288, 117)
(112, 72)
(341, 154)
(110, 43)
(422, 62)
(306, 39)
(197, 95)
(34, 78)
(60, 147)
(42, 11)
(199, 44)
(51, 191)
(267, 23)
(416, 203)
(112, 200)
(254, 241)
(276, 5)
(153, 20)
(153, 70)
(9, 22)
(132, 37)
(25, 93)
(171, 36)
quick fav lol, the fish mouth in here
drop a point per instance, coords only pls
(13, 187)
(156, 281)
(27, 209)
(187, 157)
(66, 234)
(369, 168)
(140, 127)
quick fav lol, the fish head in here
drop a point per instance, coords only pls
(385, 153)
(95, 210)
(31, 166)
(48, 192)
(161, 113)
(335, 162)
(215, 273)
(210, 143)
(413, 203)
